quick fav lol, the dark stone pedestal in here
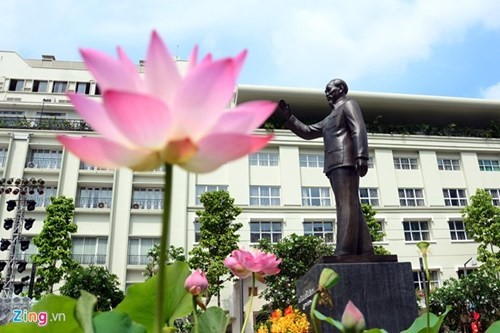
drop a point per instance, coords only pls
(383, 291)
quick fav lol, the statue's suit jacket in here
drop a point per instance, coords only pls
(343, 132)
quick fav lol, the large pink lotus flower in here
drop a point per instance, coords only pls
(243, 263)
(352, 319)
(164, 117)
(196, 282)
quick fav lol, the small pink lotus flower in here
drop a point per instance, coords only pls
(196, 283)
(243, 263)
(163, 117)
(352, 319)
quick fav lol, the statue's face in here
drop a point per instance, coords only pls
(332, 93)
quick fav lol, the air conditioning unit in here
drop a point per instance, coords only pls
(135, 206)
(100, 205)
(31, 164)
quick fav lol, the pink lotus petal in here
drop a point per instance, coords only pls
(217, 149)
(244, 118)
(238, 62)
(202, 97)
(104, 153)
(126, 62)
(237, 268)
(96, 116)
(145, 120)
(193, 59)
(110, 73)
(162, 77)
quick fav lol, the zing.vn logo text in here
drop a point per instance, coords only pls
(40, 318)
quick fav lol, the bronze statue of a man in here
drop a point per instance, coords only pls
(346, 159)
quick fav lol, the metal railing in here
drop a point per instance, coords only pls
(45, 123)
(93, 202)
(90, 259)
(137, 259)
(44, 163)
(147, 204)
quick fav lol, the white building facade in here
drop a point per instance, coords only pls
(417, 183)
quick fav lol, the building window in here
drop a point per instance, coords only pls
(97, 90)
(265, 196)
(16, 85)
(3, 157)
(60, 87)
(82, 88)
(457, 230)
(418, 279)
(454, 197)
(147, 198)
(448, 164)
(369, 196)
(94, 197)
(43, 200)
(40, 86)
(380, 230)
(264, 159)
(411, 197)
(405, 163)
(495, 195)
(11, 118)
(200, 189)
(271, 231)
(416, 231)
(253, 291)
(316, 196)
(489, 165)
(323, 229)
(197, 233)
(371, 164)
(90, 250)
(44, 159)
(138, 250)
(311, 160)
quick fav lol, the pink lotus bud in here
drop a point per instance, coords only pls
(196, 283)
(352, 319)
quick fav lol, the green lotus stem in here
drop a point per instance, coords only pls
(195, 315)
(249, 308)
(164, 246)
(427, 285)
(311, 312)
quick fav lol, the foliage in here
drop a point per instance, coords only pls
(291, 320)
(298, 255)
(482, 223)
(374, 227)
(218, 238)
(54, 259)
(96, 280)
(481, 289)
(173, 254)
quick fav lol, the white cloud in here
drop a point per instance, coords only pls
(491, 92)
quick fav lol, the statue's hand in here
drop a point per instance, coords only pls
(361, 166)
(285, 109)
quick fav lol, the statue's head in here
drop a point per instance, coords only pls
(335, 89)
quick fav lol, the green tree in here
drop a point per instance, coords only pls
(96, 280)
(374, 227)
(174, 254)
(298, 254)
(480, 289)
(218, 238)
(482, 224)
(54, 260)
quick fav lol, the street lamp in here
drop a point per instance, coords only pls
(45, 100)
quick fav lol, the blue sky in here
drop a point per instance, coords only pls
(426, 47)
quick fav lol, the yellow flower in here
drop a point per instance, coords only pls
(292, 322)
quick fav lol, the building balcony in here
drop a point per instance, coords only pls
(90, 259)
(45, 124)
(44, 163)
(93, 202)
(138, 259)
(147, 204)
